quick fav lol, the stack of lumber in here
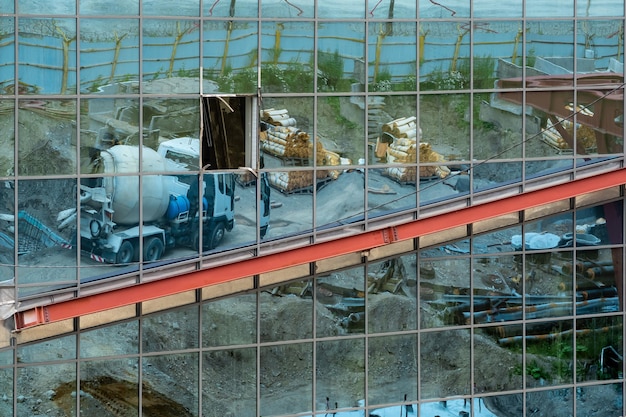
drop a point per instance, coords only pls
(403, 145)
(292, 181)
(284, 140)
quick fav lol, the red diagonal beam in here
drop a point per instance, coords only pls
(342, 246)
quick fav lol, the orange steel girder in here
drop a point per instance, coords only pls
(599, 98)
(342, 246)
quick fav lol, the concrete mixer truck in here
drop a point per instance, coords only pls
(110, 205)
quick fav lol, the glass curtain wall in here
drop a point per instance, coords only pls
(522, 320)
(143, 134)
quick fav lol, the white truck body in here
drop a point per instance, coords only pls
(110, 205)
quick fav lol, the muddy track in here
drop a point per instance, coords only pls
(116, 398)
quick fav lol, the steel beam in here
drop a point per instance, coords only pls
(360, 242)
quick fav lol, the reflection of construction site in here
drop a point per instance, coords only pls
(562, 269)
(591, 122)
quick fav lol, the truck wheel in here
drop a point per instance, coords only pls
(217, 234)
(195, 240)
(126, 253)
(153, 249)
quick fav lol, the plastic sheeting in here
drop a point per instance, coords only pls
(8, 301)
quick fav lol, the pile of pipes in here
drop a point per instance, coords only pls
(292, 181)
(285, 141)
(283, 138)
(400, 144)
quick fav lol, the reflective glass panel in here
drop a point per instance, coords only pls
(170, 385)
(328, 9)
(444, 56)
(119, 245)
(598, 345)
(291, 201)
(605, 400)
(561, 8)
(604, 222)
(482, 9)
(391, 298)
(445, 364)
(220, 327)
(290, 9)
(598, 119)
(434, 9)
(172, 330)
(392, 369)
(550, 45)
(47, 137)
(170, 61)
(548, 401)
(7, 387)
(217, 8)
(253, 197)
(230, 56)
(61, 380)
(286, 379)
(445, 407)
(513, 403)
(444, 289)
(287, 58)
(340, 308)
(126, 336)
(90, 7)
(225, 372)
(104, 123)
(549, 353)
(396, 8)
(338, 45)
(47, 246)
(506, 372)
(341, 128)
(47, 56)
(393, 57)
(7, 138)
(287, 137)
(599, 55)
(445, 132)
(287, 312)
(178, 119)
(497, 291)
(51, 350)
(34, 7)
(108, 59)
(547, 270)
(589, 8)
(161, 8)
(341, 198)
(598, 279)
(106, 391)
(340, 368)
(6, 6)
(390, 190)
(393, 130)
(7, 66)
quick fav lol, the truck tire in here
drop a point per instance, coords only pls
(195, 240)
(126, 253)
(153, 249)
(216, 236)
